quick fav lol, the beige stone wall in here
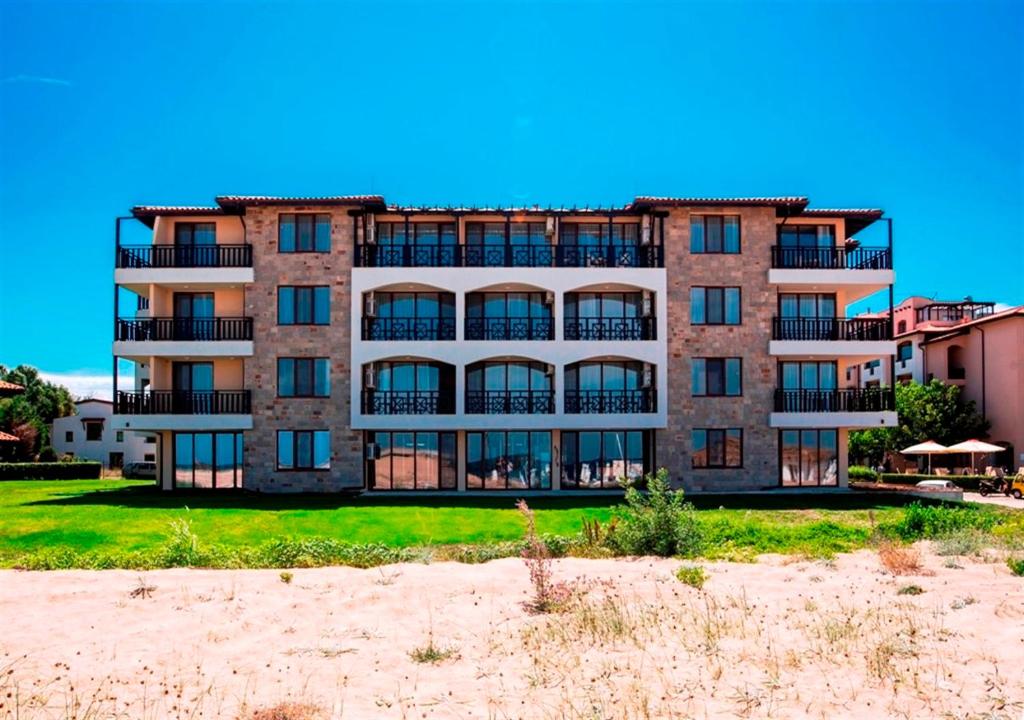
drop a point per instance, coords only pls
(271, 413)
(749, 341)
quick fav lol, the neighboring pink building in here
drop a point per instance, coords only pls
(963, 343)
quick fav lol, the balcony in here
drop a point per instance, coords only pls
(509, 255)
(628, 402)
(613, 328)
(609, 256)
(847, 400)
(184, 256)
(174, 329)
(408, 328)
(407, 402)
(510, 328)
(510, 402)
(831, 258)
(183, 402)
(419, 255)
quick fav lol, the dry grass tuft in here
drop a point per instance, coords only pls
(900, 560)
(286, 711)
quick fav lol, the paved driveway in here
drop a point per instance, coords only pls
(995, 500)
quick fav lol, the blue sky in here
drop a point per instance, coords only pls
(914, 107)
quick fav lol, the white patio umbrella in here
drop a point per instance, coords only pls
(929, 448)
(975, 446)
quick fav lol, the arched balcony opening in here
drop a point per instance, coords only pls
(408, 386)
(609, 313)
(510, 315)
(513, 386)
(955, 363)
(408, 314)
(606, 386)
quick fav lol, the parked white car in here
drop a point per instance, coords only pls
(939, 484)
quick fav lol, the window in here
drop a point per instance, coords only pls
(94, 430)
(508, 316)
(808, 375)
(714, 234)
(807, 305)
(119, 436)
(901, 326)
(149, 457)
(716, 376)
(602, 459)
(599, 234)
(306, 232)
(206, 460)
(904, 351)
(808, 457)
(304, 305)
(69, 436)
(807, 236)
(412, 461)
(409, 316)
(192, 233)
(610, 386)
(303, 450)
(150, 440)
(717, 448)
(715, 305)
(303, 377)
(872, 364)
(419, 233)
(609, 316)
(514, 460)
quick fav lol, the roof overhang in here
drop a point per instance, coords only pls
(784, 205)
(147, 214)
(238, 203)
(856, 218)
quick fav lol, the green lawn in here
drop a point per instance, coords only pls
(112, 516)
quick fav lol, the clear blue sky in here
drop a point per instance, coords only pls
(913, 107)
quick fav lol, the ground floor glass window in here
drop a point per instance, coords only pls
(809, 457)
(411, 460)
(598, 460)
(512, 460)
(208, 460)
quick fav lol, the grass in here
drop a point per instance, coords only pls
(692, 575)
(112, 517)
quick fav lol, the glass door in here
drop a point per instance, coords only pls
(193, 316)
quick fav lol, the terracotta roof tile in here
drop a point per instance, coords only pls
(7, 437)
(237, 201)
(788, 201)
(10, 387)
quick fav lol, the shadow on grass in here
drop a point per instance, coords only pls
(153, 498)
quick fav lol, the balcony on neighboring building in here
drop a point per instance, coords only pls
(185, 410)
(608, 256)
(190, 329)
(831, 257)
(408, 387)
(510, 402)
(184, 256)
(509, 255)
(408, 328)
(522, 315)
(830, 329)
(626, 402)
(425, 315)
(609, 316)
(434, 254)
(855, 400)
(407, 402)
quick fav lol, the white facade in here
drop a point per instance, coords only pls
(70, 435)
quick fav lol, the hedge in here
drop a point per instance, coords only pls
(84, 470)
(860, 472)
(966, 482)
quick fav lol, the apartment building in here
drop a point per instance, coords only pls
(341, 343)
(89, 434)
(966, 343)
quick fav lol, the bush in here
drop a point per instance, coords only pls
(692, 575)
(657, 522)
(1016, 566)
(88, 470)
(967, 482)
(932, 521)
(961, 542)
(47, 455)
(910, 590)
(860, 472)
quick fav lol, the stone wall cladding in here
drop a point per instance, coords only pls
(749, 341)
(271, 413)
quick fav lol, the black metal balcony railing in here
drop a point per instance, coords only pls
(407, 328)
(832, 258)
(608, 256)
(786, 328)
(184, 256)
(610, 401)
(509, 255)
(599, 328)
(407, 402)
(845, 400)
(184, 402)
(510, 328)
(422, 255)
(171, 328)
(510, 402)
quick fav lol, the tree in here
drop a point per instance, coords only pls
(934, 411)
(30, 414)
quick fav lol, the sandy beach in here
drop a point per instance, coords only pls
(780, 638)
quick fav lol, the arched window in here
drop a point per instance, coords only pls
(955, 363)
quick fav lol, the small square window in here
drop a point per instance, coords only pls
(69, 436)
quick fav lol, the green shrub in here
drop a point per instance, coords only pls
(966, 482)
(932, 521)
(961, 542)
(47, 455)
(656, 522)
(1016, 566)
(861, 472)
(87, 470)
(286, 577)
(910, 590)
(692, 575)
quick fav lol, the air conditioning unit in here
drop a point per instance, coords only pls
(370, 377)
(647, 379)
(549, 298)
(371, 230)
(371, 451)
(371, 305)
(549, 227)
(645, 230)
(647, 304)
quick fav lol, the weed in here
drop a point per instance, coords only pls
(961, 603)
(1016, 566)
(286, 711)
(286, 577)
(657, 522)
(910, 590)
(692, 575)
(931, 521)
(430, 653)
(900, 560)
(142, 590)
(548, 595)
(961, 542)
